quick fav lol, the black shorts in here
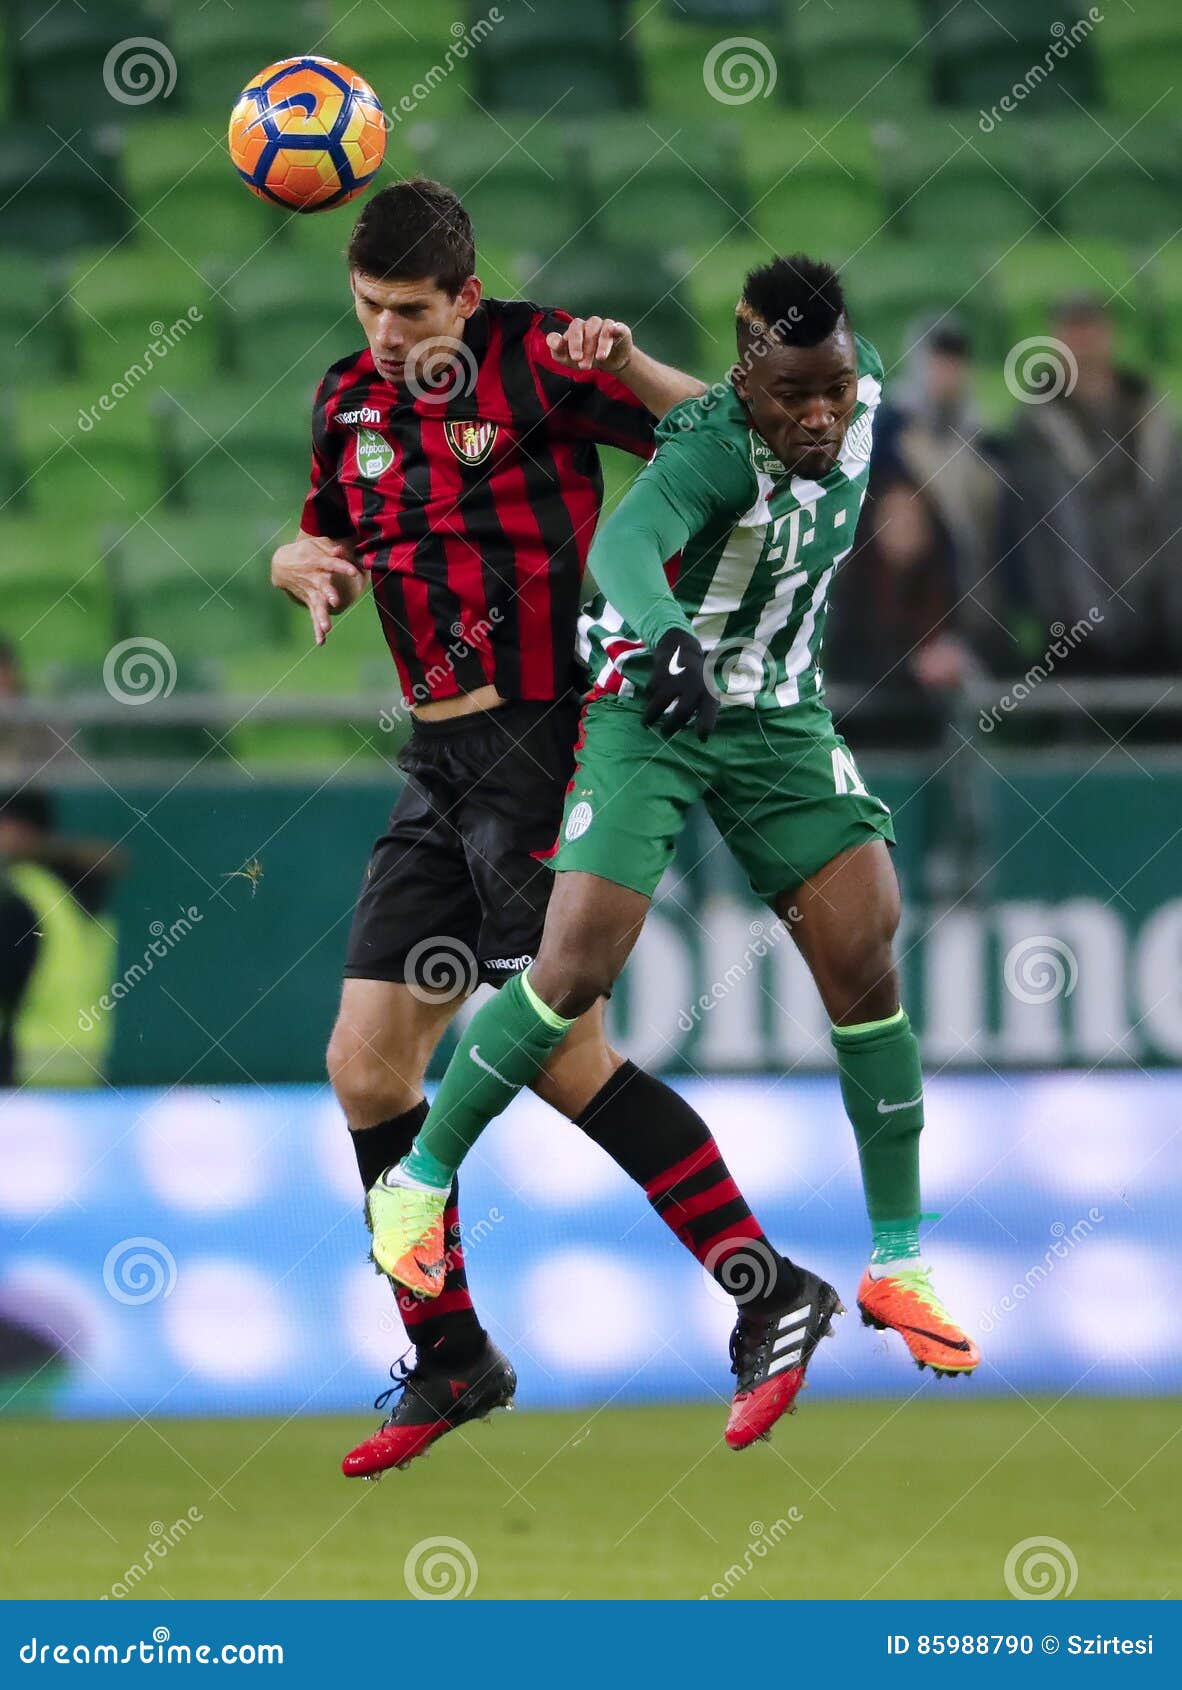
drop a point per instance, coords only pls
(455, 893)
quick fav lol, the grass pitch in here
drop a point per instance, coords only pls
(891, 1499)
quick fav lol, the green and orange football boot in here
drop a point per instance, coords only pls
(406, 1224)
(904, 1302)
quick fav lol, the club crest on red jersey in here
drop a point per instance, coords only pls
(471, 441)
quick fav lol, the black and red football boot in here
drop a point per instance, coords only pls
(770, 1354)
(434, 1401)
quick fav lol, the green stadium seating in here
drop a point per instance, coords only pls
(287, 321)
(1161, 296)
(219, 55)
(860, 56)
(1127, 192)
(945, 179)
(679, 186)
(189, 195)
(82, 457)
(636, 284)
(57, 196)
(893, 297)
(56, 607)
(572, 61)
(727, 12)
(812, 183)
(241, 448)
(198, 582)
(513, 177)
(1043, 270)
(34, 328)
(138, 294)
(712, 282)
(63, 78)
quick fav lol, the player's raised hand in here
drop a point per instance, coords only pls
(679, 692)
(319, 574)
(593, 343)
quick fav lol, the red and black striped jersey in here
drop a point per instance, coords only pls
(474, 509)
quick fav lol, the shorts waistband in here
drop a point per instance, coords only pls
(514, 712)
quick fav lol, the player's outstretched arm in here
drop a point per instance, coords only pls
(319, 573)
(602, 343)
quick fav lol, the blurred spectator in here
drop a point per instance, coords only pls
(57, 954)
(931, 436)
(25, 747)
(1096, 513)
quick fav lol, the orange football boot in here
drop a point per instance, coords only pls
(905, 1303)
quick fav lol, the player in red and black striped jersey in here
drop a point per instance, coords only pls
(455, 468)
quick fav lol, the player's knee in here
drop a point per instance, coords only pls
(367, 1088)
(864, 983)
(571, 981)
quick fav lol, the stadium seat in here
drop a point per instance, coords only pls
(218, 56)
(1126, 192)
(141, 307)
(860, 56)
(285, 322)
(637, 284)
(1162, 297)
(896, 288)
(198, 582)
(946, 180)
(189, 195)
(679, 186)
(62, 76)
(34, 328)
(56, 607)
(812, 183)
(57, 197)
(726, 13)
(81, 457)
(513, 177)
(410, 57)
(554, 58)
(980, 54)
(712, 282)
(1043, 270)
(241, 448)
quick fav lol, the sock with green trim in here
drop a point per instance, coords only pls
(502, 1049)
(882, 1089)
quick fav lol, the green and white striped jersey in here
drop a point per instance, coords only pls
(753, 577)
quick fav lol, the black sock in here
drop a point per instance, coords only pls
(666, 1147)
(443, 1329)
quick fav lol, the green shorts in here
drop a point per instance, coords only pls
(780, 786)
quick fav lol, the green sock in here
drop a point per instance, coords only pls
(882, 1089)
(506, 1043)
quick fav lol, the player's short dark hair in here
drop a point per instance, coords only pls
(797, 300)
(411, 231)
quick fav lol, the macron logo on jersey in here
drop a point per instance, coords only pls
(367, 414)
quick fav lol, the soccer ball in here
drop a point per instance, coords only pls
(307, 134)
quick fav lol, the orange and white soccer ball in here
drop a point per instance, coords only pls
(307, 134)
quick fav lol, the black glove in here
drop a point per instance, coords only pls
(679, 686)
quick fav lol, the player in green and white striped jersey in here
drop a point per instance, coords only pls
(705, 650)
